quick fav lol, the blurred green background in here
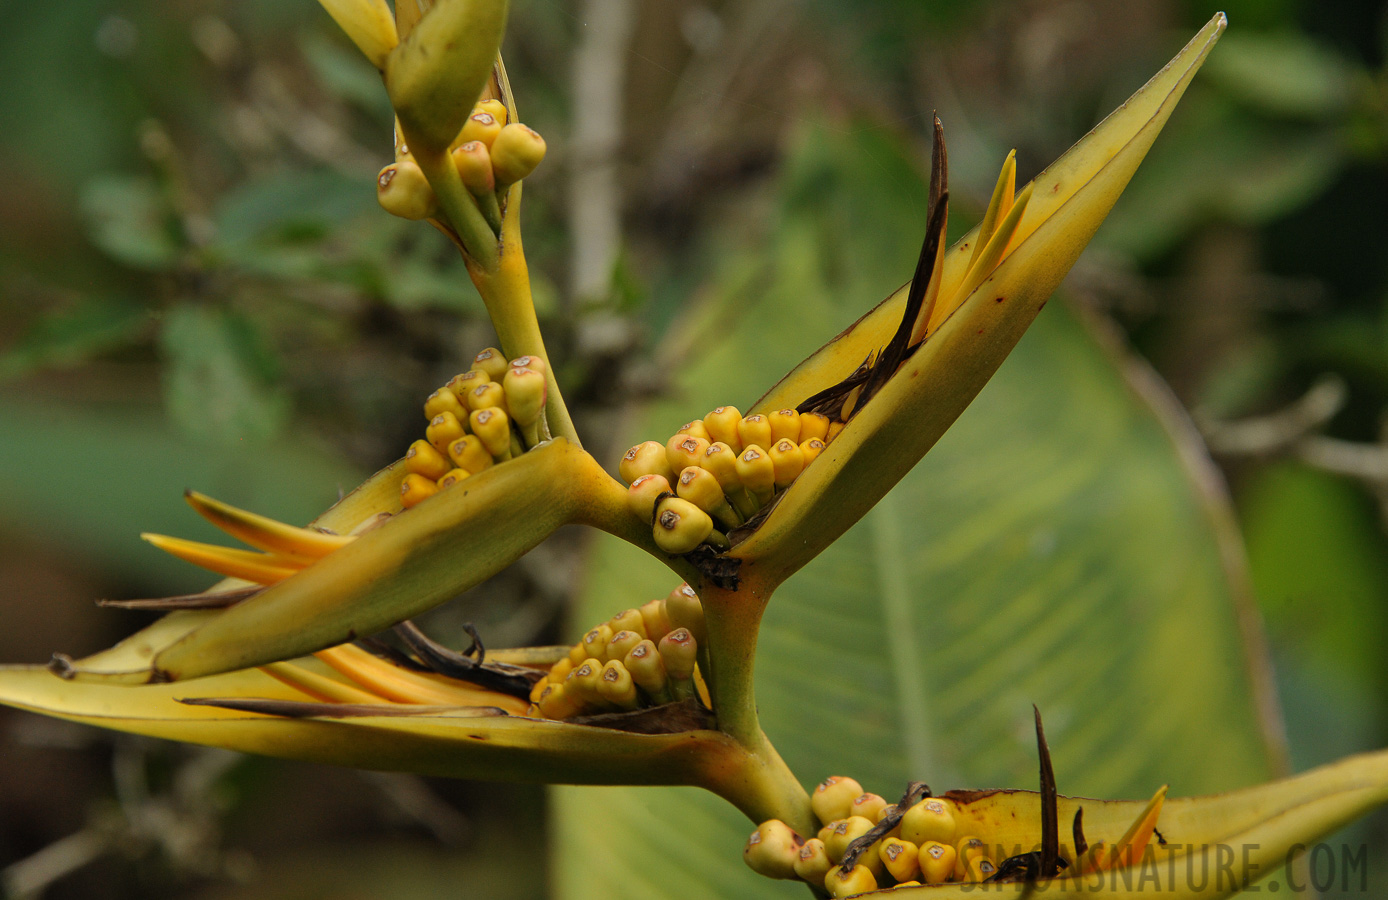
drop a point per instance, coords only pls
(197, 289)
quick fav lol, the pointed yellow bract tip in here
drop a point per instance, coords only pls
(369, 24)
(265, 533)
(261, 568)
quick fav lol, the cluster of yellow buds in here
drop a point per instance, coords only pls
(484, 416)
(717, 472)
(924, 845)
(640, 658)
(490, 155)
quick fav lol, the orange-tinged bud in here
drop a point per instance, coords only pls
(869, 806)
(811, 449)
(754, 431)
(481, 127)
(773, 849)
(535, 363)
(444, 430)
(813, 425)
(787, 462)
(936, 862)
(517, 150)
(683, 451)
(833, 798)
(487, 396)
(491, 361)
(813, 863)
(932, 819)
(403, 191)
(453, 477)
(680, 526)
(721, 425)
(493, 428)
(646, 458)
(474, 165)
(721, 460)
(466, 383)
(468, 453)
(979, 869)
(834, 429)
(858, 880)
(416, 489)
(899, 858)
(785, 425)
(424, 460)
(643, 494)
(616, 686)
(656, 619)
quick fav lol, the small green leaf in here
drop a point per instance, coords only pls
(130, 220)
(72, 336)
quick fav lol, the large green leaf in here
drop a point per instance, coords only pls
(1052, 549)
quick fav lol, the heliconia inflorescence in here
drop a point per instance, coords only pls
(716, 473)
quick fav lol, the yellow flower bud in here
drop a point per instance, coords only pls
(496, 108)
(656, 619)
(468, 453)
(557, 702)
(966, 849)
(684, 610)
(773, 849)
(813, 425)
(487, 396)
(978, 869)
(869, 806)
(721, 425)
(936, 862)
(416, 489)
(932, 819)
(646, 458)
(833, 798)
(683, 451)
(813, 863)
(560, 670)
(785, 425)
(845, 832)
(643, 494)
(493, 428)
(700, 487)
(787, 462)
(680, 526)
(595, 642)
(583, 684)
(403, 191)
(453, 477)
(616, 686)
(424, 460)
(525, 395)
(442, 401)
(627, 620)
(622, 643)
(492, 362)
(811, 449)
(694, 429)
(899, 858)
(474, 167)
(757, 473)
(858, 880)
(647, 668)
(534, 363)
(466, 383)
(481, 128)
(679, 650)
(444, 430)
(517, 150)
(754, 431)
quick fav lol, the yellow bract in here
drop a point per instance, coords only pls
(979, 321)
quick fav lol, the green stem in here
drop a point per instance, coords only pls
(459, 209)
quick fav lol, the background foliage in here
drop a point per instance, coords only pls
(198, 290)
